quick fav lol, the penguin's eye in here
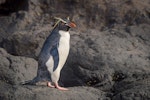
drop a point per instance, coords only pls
(63, 23)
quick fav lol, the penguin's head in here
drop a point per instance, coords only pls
(65, 24)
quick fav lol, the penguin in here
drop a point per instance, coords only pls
(54, 54)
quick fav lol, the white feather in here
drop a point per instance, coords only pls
(63, 50)
(50, 64)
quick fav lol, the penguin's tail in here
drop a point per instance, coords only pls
(30, 82)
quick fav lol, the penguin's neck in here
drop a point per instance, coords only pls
(64, 34)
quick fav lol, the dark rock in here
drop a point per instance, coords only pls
(132, 88)
(9, 6)
(99, 56)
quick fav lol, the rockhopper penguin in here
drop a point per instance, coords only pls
(54, 53)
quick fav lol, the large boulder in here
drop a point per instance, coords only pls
(101, 57)
(18, 92)
(15, 70)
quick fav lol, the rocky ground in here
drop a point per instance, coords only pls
(109, 57)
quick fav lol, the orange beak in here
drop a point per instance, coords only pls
(71, 24)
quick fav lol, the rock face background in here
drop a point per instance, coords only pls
(110, 49)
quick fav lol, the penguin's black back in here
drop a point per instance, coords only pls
(51, 42)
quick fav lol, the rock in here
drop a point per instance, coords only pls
(103, 60)
(100, 58)
(15, 70)
(17, 43)
(94, 14)
(2, 1)
(109, 53)
(40, 93)
(132, 88)
(141, 32)
(36, 15)
(98, 13)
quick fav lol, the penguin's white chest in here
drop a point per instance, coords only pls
(63, 48)
(63, 51)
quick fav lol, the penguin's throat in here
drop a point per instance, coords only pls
(64, 34)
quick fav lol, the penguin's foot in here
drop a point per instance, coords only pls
(49, 84)
(60, 88)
